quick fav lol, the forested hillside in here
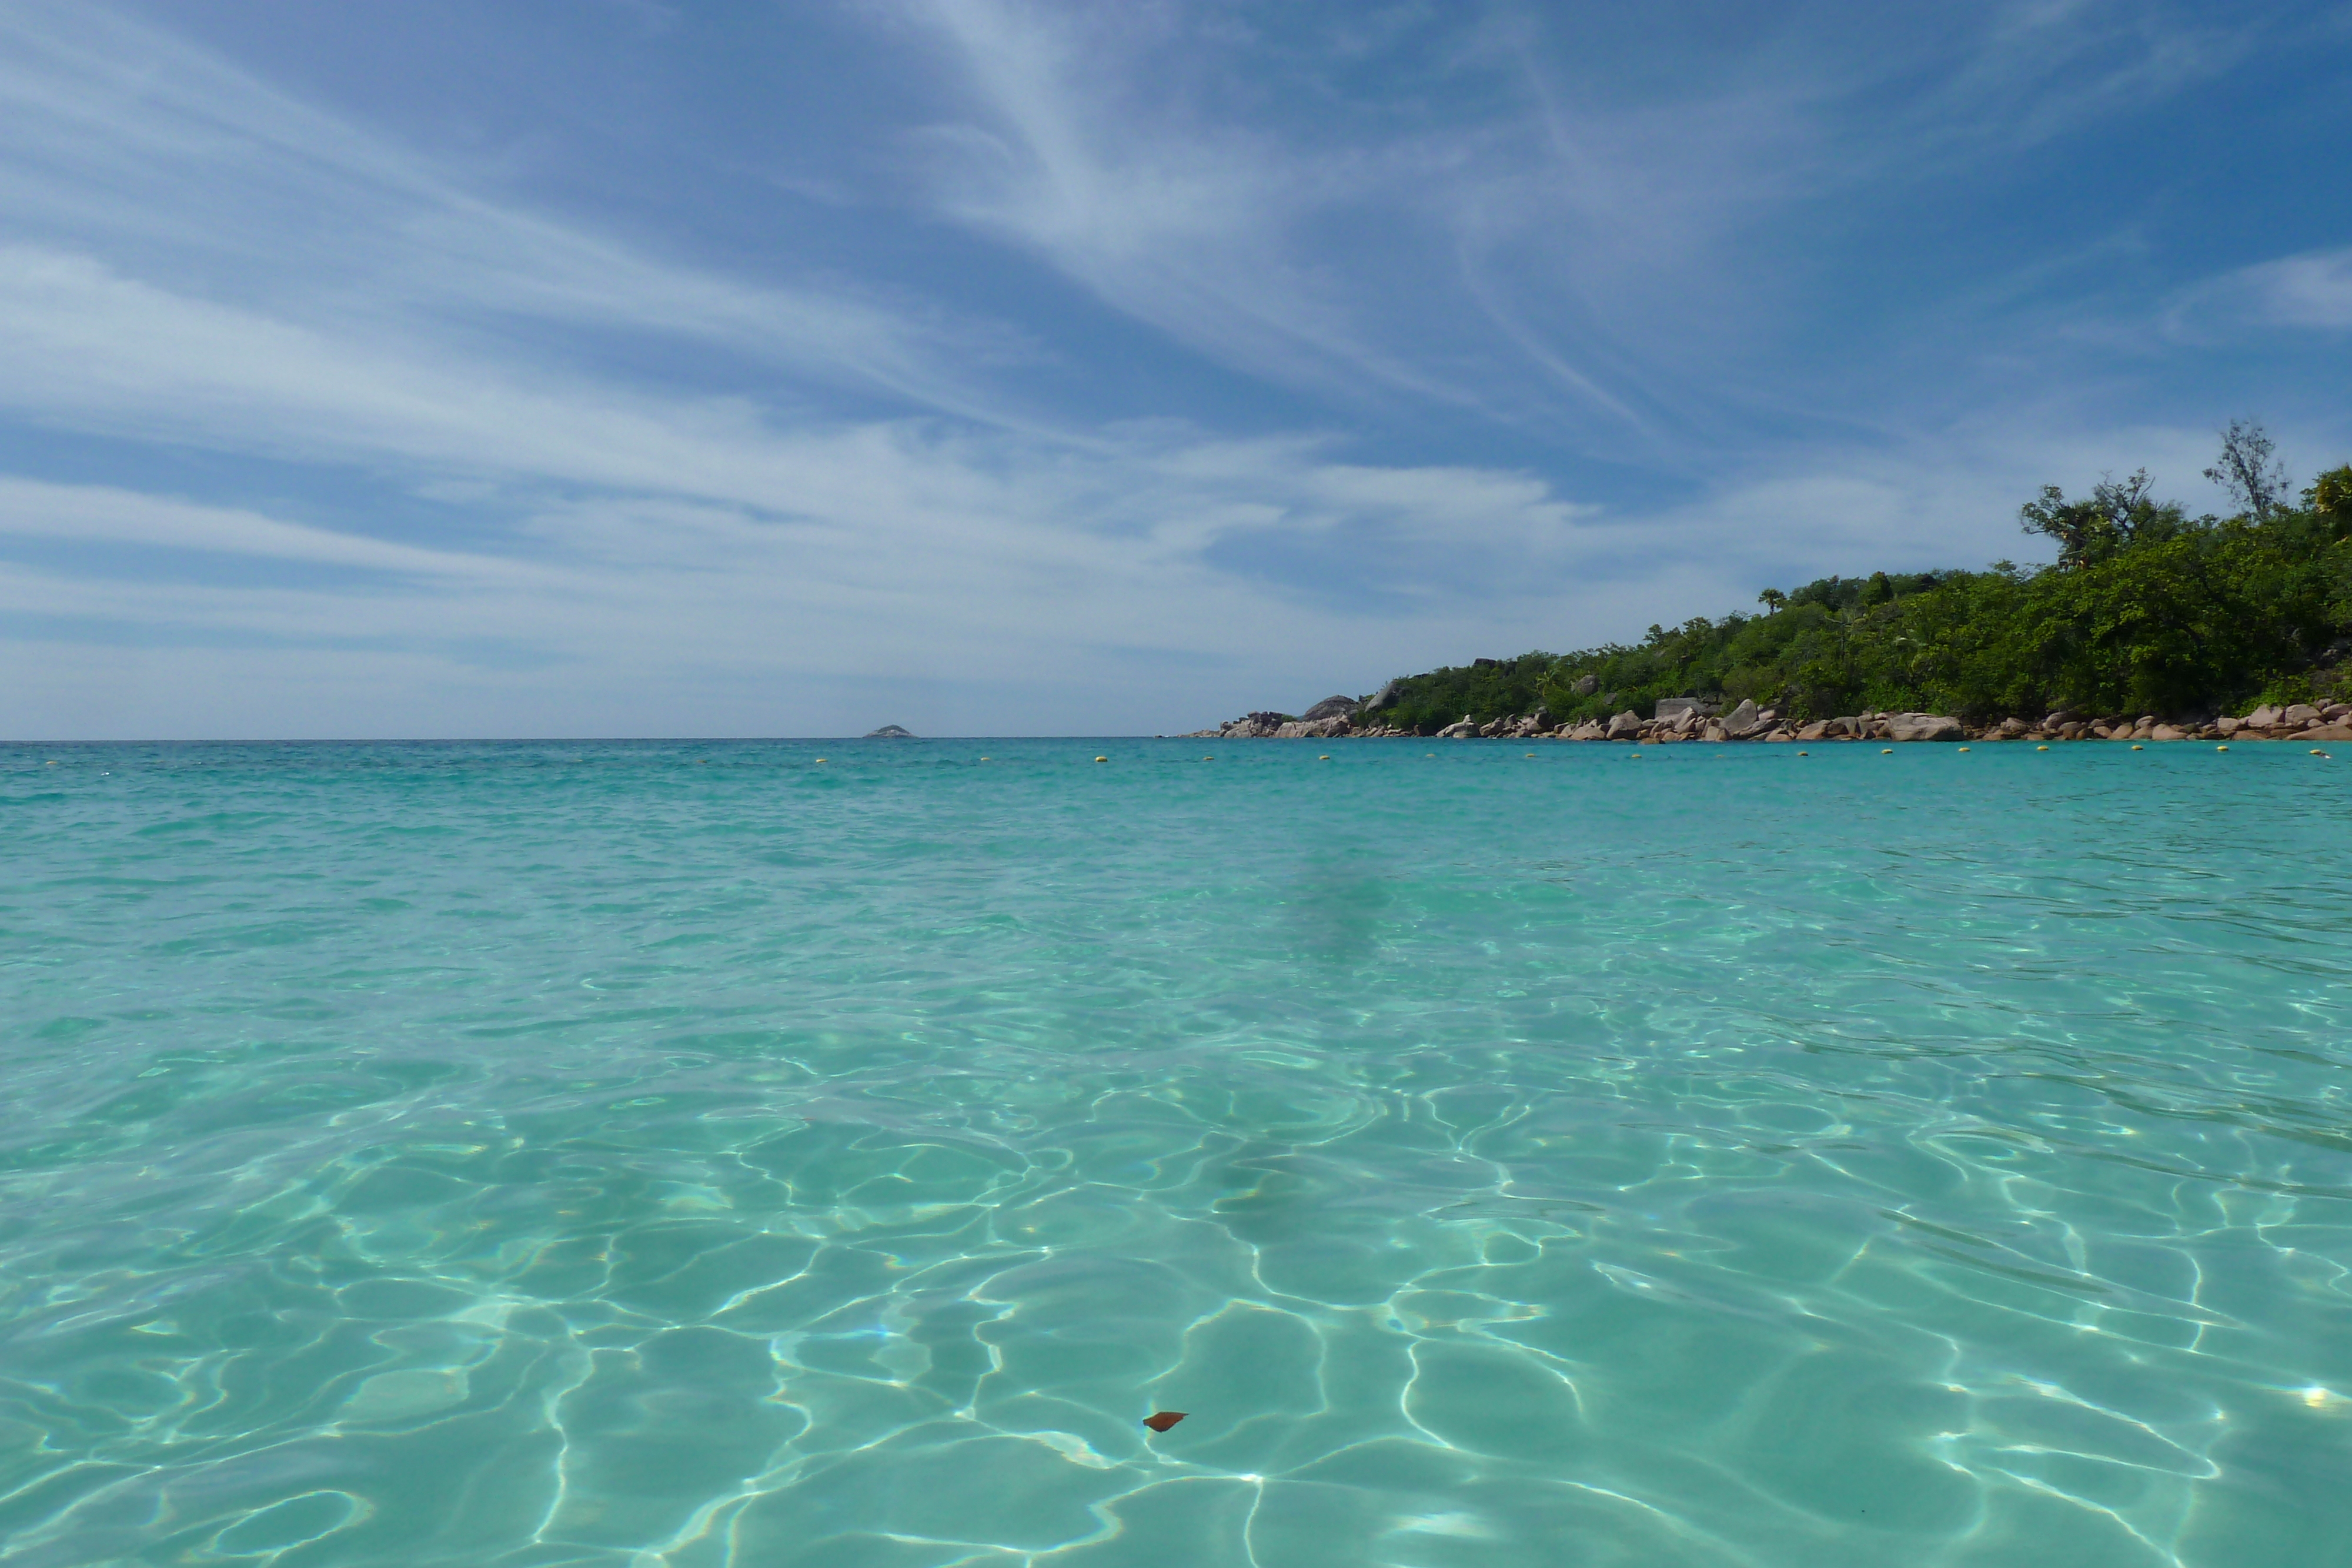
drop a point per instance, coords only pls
(2146, 609)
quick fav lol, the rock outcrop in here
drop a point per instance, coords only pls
(1250, 726)
(1924, 726)
(1695, 718)
(890, 732)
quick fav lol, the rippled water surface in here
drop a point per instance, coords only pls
(699, 1154)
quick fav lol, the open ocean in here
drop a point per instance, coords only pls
(656, 1153)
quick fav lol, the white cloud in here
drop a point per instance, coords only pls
(2312, 290)
(1189, 227)
(2307, 290)
(96, 513)
(2044, 68)
(183, 170)
(640, 541)
(1519, 237)
(1363, 267)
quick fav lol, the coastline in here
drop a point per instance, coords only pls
(1681, 719)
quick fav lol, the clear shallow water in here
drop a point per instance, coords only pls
(656, 1154)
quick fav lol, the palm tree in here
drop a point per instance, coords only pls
(1771, 599)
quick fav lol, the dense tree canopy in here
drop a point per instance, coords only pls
(2146, 611)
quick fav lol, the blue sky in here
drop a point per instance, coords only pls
(615, 367)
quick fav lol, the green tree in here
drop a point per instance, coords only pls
(2330, 501)
(2249, 469)
(2147, 611)
(2117, 513)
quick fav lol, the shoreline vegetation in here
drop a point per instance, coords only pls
(2150, 625)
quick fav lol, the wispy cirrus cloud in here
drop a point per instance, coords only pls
(1191, 227)
(1355, 259)
(110, 514)
(83, 345)
(130, 145)
(2311, 291)
(1602, 246)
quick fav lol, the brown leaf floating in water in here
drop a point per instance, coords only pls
(1163, 1420)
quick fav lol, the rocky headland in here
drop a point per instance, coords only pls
(1693, 718)
(2149, 625)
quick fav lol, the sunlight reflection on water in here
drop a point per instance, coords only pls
(586, 1154)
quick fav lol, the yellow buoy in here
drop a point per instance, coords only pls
(1324, 757)
(1207, 760)
(2221, 748)
(1102, 759)
(1530, 754)
(2041, 748)
(1804, 754)
(983, 759)
(1963, 748)
(1886, 751)
(820, 759)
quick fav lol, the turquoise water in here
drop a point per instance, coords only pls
(691, 1155)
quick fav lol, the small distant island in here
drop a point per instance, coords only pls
(2150, 625)
(890, 732)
